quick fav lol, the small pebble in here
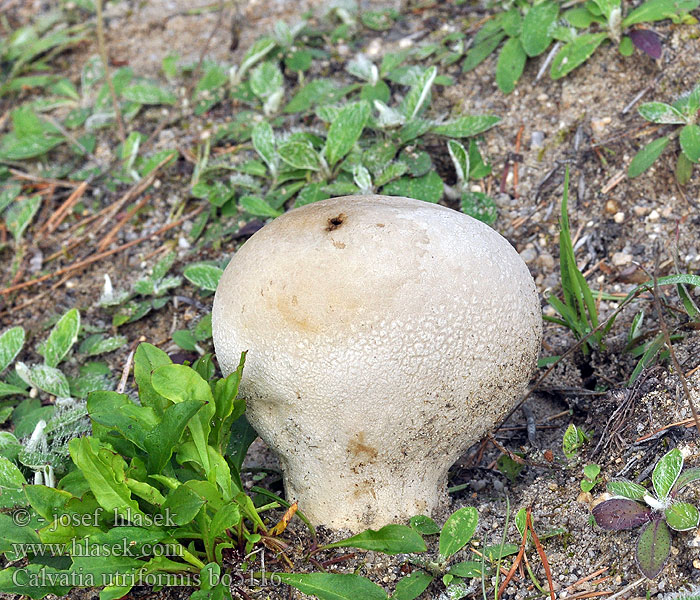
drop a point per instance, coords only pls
(653, 215)
(619, 217)
(620, 259)
(612, 206)
(546, 261)
(528, 255)
(599, 125)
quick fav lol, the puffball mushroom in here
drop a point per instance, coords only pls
(385, 335)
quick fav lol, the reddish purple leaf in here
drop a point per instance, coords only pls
(647, 41)
(620, 513)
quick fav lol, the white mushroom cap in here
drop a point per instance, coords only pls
(385, 335)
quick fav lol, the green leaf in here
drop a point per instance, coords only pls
(255, 205)
(646, 156)
(49, 380)
(333, 586)
(35, 581)
(429, 187)
(162, 440)
(580, 17)
(104, 472)
(11, 484)
(482, 49)
(666, 472)
(466, 126)
(182, 505)
(225, 518)
(575, 53)
(458, 530)
(314, 92)
(15, 537)
(242, 436)
(146, 359)
(538, 21)
(48, 502)
(653, 548)
(607, 7)
(469, 568)
(392, 171)
(627, 489)
(255, 53)
(377, 20)
(19, 215)
(263, 139)
(412, 586)
(419, 94)
(511, 62)
(108, 570)
(265, 79)
(424, 525)
(682, 516)
(684, 169)
(512, 22)
(8, 193)
(390, 539)
(117, 411)
(11, 342)
(148, 93)
(690, 142)
(14, 147)
(97, 344)
(61, 339)
(203, 276)
(658, 10)
(685, 478)
(179, 384)
(345, 130)
(418, 161)
(660, 112)
(300, 155)
(626, 47)
(480, 206)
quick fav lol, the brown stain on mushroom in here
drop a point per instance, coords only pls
(294, 316)
(335, 222)
(357, 448)
(339, 245)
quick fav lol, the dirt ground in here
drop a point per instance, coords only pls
(623, 228)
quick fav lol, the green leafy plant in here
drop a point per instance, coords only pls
(363, 151)
(590, 477)
(189, 339)
(578, 310)
(127, 307)
(454, 536)
(42, 431)
(633, 505)
(161, 473)
(616, 28)
(530, 28)
(27, 51)
(683, 112)
(573, 440)
(399, 539)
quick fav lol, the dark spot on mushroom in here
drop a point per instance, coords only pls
(380, 224)
(335, 222)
